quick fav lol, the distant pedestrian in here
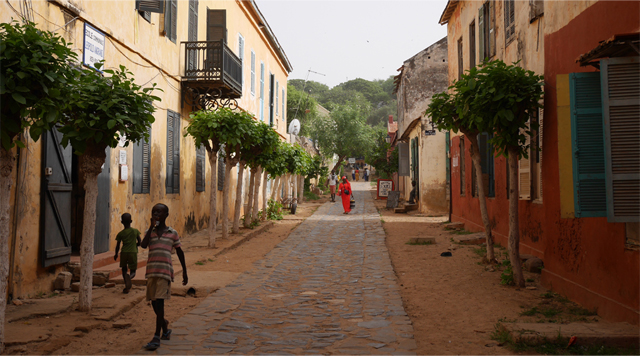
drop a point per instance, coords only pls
(357, 178)
(333, 181)
(353, 173)
(366, 174)
(130, 239)
(161, 239)
(344, 190)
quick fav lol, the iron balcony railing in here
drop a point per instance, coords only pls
(213, 63)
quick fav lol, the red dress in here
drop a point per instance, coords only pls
(346, 198)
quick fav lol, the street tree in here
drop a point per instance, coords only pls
(102, 108)
(303, 106)
(34, 75)
(345, 132)
(499, 99)
(203, 127)
(379, 156)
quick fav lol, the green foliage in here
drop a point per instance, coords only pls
(302, 106)
(345, 132)
(274, 210)
(495, 98)
(101, 109)
(311, 196)
(34, 78)
(506, 277)
(316, 89)
(377, 156)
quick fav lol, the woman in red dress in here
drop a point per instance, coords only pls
(344, 190)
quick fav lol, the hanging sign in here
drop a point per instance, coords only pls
(94, 42)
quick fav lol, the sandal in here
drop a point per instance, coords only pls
(153, 345)
(167, 335)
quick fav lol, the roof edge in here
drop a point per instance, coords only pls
(448, 11)
(270, 35)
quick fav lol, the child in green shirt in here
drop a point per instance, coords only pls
(130, 239)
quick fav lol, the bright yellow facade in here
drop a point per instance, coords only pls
(142, 47)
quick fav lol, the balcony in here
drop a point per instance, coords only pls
(212, 72)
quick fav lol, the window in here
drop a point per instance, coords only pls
(145, 15)
(472, 44)
(171, 20)
(241, 55)
(141, 166)
(536, 9)
(173, 152)
(200, 169)
(535, 155)
(460, 59)
(284, 119)
(509, 21)
(146, 7)
(262, 91)
(277, 101)
(487, 164)
(272, 102)
(193, 20)
(253, 73)
(487, 30)
(462, 168)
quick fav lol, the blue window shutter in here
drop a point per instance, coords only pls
(587, 138)
(621, 111)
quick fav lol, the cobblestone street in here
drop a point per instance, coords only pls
(328, 288)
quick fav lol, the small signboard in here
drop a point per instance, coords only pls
(429, 132)
(392, 200)
(384, 187)
(352, 161)
(94, 42)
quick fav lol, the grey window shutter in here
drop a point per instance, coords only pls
(150, 5)
(482, 33)
(146, 165)
(200, 169)
(216, 25)
(174, 20)
(588, 145)
(492, 28)
(176, 152)
(137, 168)
(193, 20)
(403, 159)
(170, 149)
(621, 108)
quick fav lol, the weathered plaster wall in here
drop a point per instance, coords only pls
(153, 58)
(585, 259)
(424, 75)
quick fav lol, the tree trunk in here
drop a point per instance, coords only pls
(6, 167)
(300, 188)
(236, 213)
(475, 158)
(274, 188)
(252, 184)
(256, 196)
(91, 166)
(340, 158)
(213, 198)
(225, 198)
(263, 216)
(514, 229)
(294, 184)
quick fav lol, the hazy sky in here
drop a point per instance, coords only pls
(352, 39)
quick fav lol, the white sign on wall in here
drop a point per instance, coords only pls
(455, 161)
(94, 42)
(123, 157)
(352, 160)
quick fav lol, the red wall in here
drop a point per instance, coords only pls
(585, 259)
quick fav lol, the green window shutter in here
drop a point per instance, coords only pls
(170, 139)
(588, 145)
(621, 110)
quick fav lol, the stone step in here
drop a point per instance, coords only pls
(114, 269)
(399, 210)
(411, 207)
(601, 333)
(454, 226)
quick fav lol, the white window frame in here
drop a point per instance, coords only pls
(253, 73)
(277, 96)
(241, 55)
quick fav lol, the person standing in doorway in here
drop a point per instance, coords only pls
(344, 190)
(161, 239)
(333, 181)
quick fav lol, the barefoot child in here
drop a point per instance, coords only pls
(130, 239)
(160, 239)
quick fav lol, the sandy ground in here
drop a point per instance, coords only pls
(455, 302)
(58, 333)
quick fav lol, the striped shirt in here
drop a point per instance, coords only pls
(159, 260)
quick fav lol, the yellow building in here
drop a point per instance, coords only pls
(225, 47)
